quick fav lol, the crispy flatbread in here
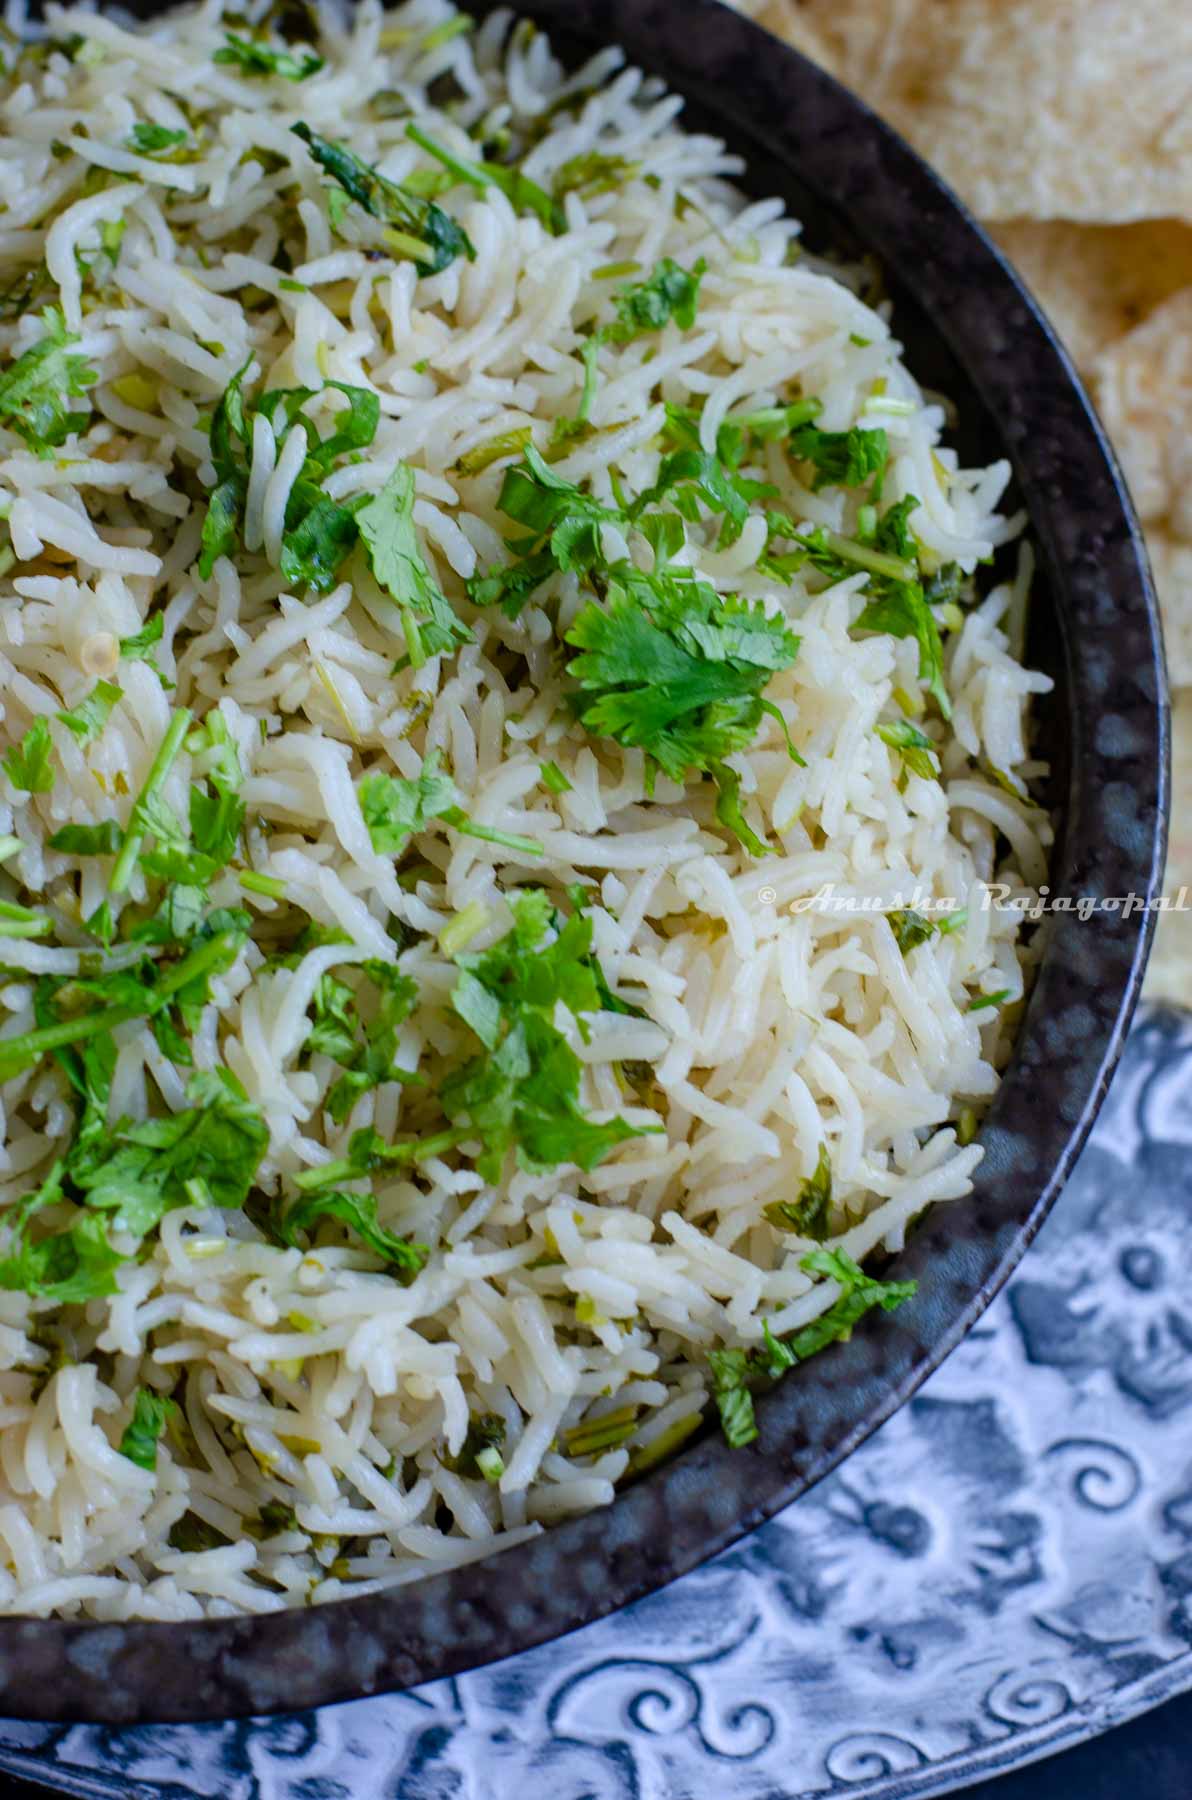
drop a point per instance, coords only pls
(1097, 282)
(1032, 109)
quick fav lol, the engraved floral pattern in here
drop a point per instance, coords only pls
(1004, 1568)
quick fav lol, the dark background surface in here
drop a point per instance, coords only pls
(1148, 1759)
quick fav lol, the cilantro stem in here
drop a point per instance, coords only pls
(272, 886)
(645, 1456)
(594, 1435)
(463, 171)
(32, 927)
(134, 837)
(407, 245)
(895, 567)
(345, 1169)
(508, 840)
(18, 1052)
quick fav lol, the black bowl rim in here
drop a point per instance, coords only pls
(1112, 844)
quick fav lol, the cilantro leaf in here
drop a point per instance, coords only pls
(670, 292)
(914, 747)
(34, 392)
(259, 59)
(893, 533)
(333, 1031)
(859, 1293)
(367, 1052)
(424, 230)
(29, 765)
(89, 717)
(139, 647)
(359, 1212)
(319, 532)
(394, 808)
(842, 458)
(669, 666)
(736, 1372)
(103, 839)
(564, 525)
(522, 1090)
(152, 140)
(141, 1435)
(386, 525)
(731, 1371)
(900, 609)
(691, 475)
(69, 1266)
(809, 1214)
(206, 1155)
(910, 928)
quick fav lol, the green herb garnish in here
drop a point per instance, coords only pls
(34, 392)
(143, 1432)
(260, 59)
(422, 230)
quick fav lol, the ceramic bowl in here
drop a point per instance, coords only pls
(972, 332)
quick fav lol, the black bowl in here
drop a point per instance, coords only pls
(970, 330)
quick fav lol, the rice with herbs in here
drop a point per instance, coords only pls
(467, 595)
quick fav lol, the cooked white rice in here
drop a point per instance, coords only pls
(314, 1381)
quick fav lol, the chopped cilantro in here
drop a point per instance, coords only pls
(128, 994)
(259, 59)
(366, 1052)
(394, 808)
(914, 747)
(206, 1155)
(984, 1001)
(842, 458)
(148, 814)
(423, 230)
(34, 392)
(28, 764)
(142, 1433)
(89, 717)
(153, 140)
(910, 929)
(858, 1294)
(736, 1372)
(553, 778)
(386, 525)
(900, 609)
(522, 1089)
(669, 666)
(68, 1266)
(22, 922)
(808, 1215)
(103, 839)
(669, 292)
(485, 1432)
(507, 443)
(359, 1212)
(591, 1437)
